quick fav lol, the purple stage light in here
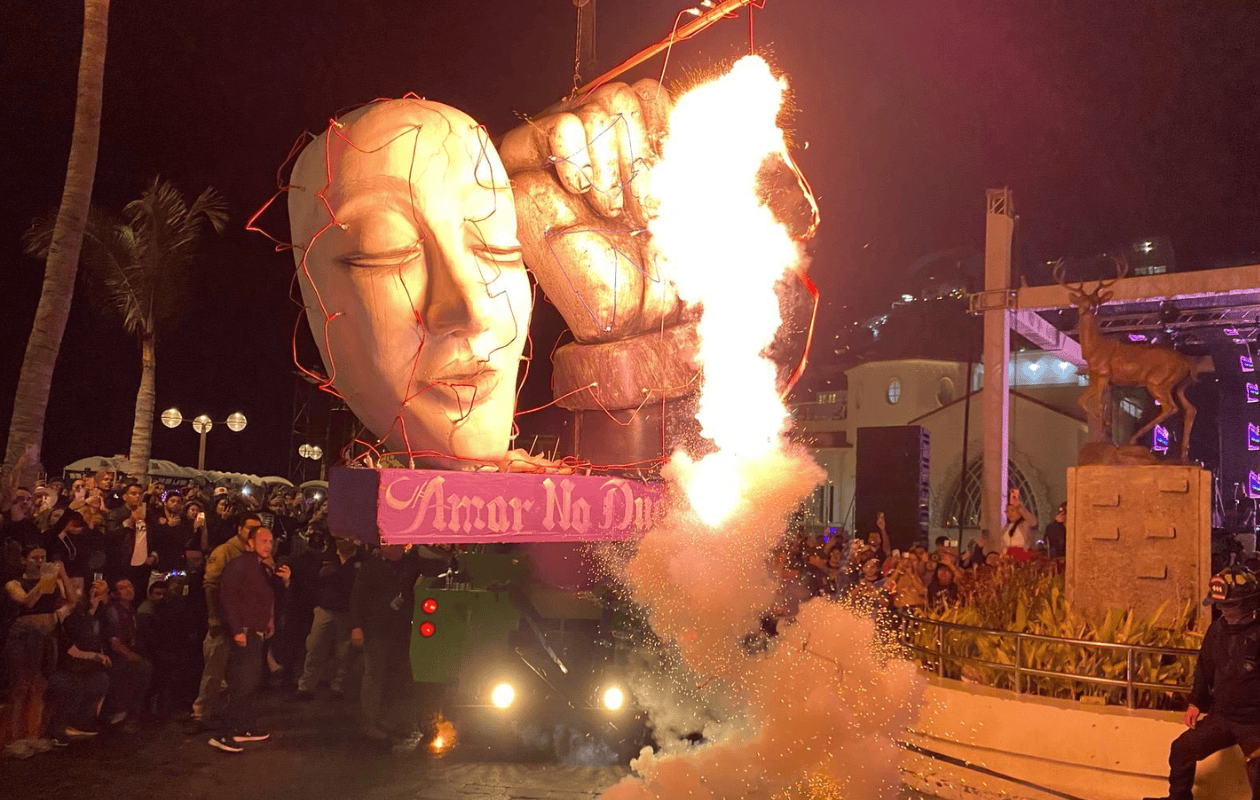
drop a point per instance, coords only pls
(1253, 393)
(1253, 436)
(1245, 364)
(1161, 440)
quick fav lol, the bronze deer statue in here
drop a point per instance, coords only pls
(1164, 372)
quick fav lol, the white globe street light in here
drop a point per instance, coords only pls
(202, 424)
(312, 451)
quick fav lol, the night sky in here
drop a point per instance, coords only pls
(1111, 121)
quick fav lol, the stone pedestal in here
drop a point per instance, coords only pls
(1138, 537)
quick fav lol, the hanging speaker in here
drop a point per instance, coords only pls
(894, 476)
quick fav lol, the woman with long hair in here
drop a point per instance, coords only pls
(195, 516)
(30, 650)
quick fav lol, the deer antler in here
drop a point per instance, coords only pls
(1059, 271)
(1098, 296)
(1122, 270)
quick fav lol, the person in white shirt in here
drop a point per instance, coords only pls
(133, 556)
(1020, 530)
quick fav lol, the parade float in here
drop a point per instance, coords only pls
(654, 233)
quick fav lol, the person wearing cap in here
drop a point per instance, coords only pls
(1224, 706)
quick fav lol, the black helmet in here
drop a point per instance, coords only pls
(1232, 585)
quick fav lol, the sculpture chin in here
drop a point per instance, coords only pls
(482, 436)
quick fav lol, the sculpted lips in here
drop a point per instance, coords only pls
(463, 386)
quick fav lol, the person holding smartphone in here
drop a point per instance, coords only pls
(19, 523)
(169, 533)
(77, 690)
(128, 525)
(30, 647)
(195, 518)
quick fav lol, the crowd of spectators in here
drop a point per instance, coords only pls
(866, 572)
(125, 604)
(128, 604)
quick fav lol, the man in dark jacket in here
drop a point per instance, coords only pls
(130, 671)
(1225, 702)
(215, 646)
(169, 532)
(380, 620)
(247, 613)
(328, 645)
(1056, 533)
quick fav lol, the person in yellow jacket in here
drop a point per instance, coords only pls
(214, 649)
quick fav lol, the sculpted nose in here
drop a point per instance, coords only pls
(460, 301)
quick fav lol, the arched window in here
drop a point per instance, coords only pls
(965, 500)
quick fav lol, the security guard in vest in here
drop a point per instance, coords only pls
(1225, 702)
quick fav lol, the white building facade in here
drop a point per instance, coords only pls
(1047, 431)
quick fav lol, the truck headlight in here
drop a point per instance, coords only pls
(614, 698)
(503, 695)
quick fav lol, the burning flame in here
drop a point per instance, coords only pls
(444, 736)
(709, 184)
(793, 713)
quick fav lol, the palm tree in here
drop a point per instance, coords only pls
(140, 267)
(30, 402)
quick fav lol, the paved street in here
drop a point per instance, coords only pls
(314, 752)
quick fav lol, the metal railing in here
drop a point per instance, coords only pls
(1130, 683)
(814, 411)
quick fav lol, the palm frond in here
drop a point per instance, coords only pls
(108, 262)
(170, 234)
(111, 260)
(139, 266)
(211, 206)
(37, 238)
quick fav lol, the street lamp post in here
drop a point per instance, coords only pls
(202, 424)
(315, 453)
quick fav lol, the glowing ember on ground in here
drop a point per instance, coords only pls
(443, 738)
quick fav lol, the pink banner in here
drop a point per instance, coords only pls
(419, 506)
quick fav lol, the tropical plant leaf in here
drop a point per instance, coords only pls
(1036, 603)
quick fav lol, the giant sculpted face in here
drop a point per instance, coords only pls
(411, 273)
